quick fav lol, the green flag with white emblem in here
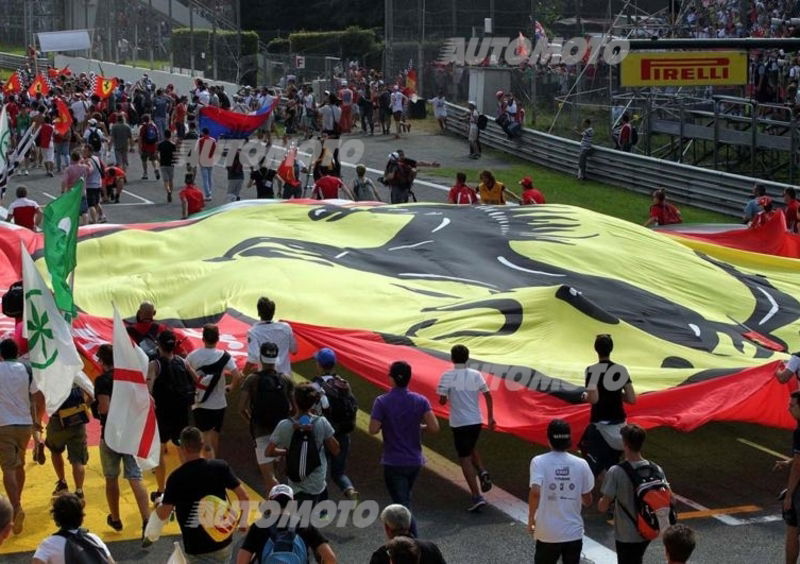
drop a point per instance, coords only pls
(60, 228)
(5, 141)
(53, 356)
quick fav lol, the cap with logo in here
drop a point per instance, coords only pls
(279, 490)
(558, 431)
(269, 351)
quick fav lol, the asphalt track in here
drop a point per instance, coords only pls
(722, 472)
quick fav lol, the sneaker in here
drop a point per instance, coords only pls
(79, 494)
(38, 454)
(477, 503)
(116, 199)
(27, 172)
(156, 496)
(19, 520)
(103, 219)
(116, 525)
(144, 177)
(486, 481)
(158, 175)
(61, 486)
(50, 174)
(351, 493)
(146, 543)
(207, 199)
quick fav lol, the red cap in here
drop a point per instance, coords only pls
(527, 182)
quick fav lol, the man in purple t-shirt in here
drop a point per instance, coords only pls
(401, 416)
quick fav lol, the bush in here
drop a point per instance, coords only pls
(352, 42)
(278, 45)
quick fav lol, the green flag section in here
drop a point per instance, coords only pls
(5, 141)
(53, 356)
(60, 228)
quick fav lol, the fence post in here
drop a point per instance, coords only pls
(191, 39)
(716, 134)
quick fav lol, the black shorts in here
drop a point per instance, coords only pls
(465, 438)
(208, 419)
(171, 423)
(92, 197)
(290, 192)
(597, 451)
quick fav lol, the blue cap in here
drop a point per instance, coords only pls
(325, 357)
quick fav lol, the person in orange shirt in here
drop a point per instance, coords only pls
(530, 195)
(192, 200)
(492, 192)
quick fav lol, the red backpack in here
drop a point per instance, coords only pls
(651, 494)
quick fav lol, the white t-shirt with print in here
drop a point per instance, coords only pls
(562, 478)
(204, 357)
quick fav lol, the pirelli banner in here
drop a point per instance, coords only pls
(684, 68)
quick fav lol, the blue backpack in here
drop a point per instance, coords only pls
(284, 546)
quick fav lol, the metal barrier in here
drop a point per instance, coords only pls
(699, 187)
(13, 62)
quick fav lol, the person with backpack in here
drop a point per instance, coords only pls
(364, 188)
(212, 365)
(110, 460)
(172, 384)
(662, 212)
(71, 543)
(643, 507)
(608, 386)
(265, 401)
(554, 520)
(197, 487)
(148, 146)
(340, 407)
(278, 544)
(94, 137)
(301, 440)
(399, 416)
(462, 387)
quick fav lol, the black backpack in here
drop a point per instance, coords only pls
(342, 404)
(94, 140)
(174, 382)
(483, 122)
(147, 341)
(270, 404)
(14, 301)
(303, 458)
(80, 548)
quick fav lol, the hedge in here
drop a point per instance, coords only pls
(352, 42)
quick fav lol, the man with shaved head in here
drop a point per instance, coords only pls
(144, 331)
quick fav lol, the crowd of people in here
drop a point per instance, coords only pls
(302, 433)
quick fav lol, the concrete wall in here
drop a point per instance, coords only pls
(182, 82)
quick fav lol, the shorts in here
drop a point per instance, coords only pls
(71, 439)
(84, 205)
(290, 192)
(92, 197)
(121, 156)
(167, 173)
(208, 419)
(261, 448)
(170, 424)
(397, 115)
(148, 154)
(596, 450)
(13, 442)
(110, 459)
(465, 438)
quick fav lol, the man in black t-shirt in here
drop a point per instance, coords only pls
(258, 535)
(396, 520)
(198, 481)
(110, 459)
(166, 160)
(608, 385)
(791, 497)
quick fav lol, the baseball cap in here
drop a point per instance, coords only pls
(527, 182)
(558, 431)
(281, 489)
(269, 351)
(764, 201)
(471, 103)
(325, 357)
(92, 121)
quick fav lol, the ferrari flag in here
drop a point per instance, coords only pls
(40, 85)
(104, 87)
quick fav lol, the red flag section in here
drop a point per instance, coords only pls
(40, 85)
(63, 122)
(768, 239)
(13, 85)
(104, 87)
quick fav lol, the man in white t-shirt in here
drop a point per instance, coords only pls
(68, 515)
(398, 102)
(270, 331)
(560, 484)
(211, 365)
(463, 386)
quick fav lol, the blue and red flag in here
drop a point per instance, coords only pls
(224, 124)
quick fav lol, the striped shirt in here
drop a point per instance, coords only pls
(586, 138)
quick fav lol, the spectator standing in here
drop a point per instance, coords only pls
(267, 330)
(752, 207)
(94, 185)
(23, 211)
(555, 520)
(44, 142)
(110, 460)
(235, 178)
(618, 486)
(162, 104)
(206, 146)
(586, 135)
(211, 366)
(166, 160)
(473, 132)
(191, 484)
(363, 188)
(399, 416)
(398, 102)
(626, 134)
(148, 143)
(121, 139)
(462, 387)
(21, 404)
(460, 193)
(792, 210)
(266, 400)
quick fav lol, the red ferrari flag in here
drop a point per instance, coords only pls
(63, 122)
(40, 85)
(54, 73)
(13, 85)
(103, 87)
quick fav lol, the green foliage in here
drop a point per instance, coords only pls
(351, 42)
(278, 45)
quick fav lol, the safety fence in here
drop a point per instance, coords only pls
(699, 187)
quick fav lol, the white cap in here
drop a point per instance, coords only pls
(92, 121)
(281, 489)
(471, 103)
